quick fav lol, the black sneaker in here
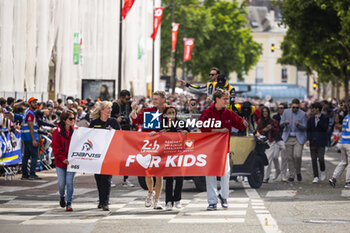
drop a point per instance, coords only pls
(35, 177)
(69, 207)
(299, 178)
(105, 207)
(332, 182)
(62, 202)
(223, 202)
(99, 206)
(24, 177)
(291, 179)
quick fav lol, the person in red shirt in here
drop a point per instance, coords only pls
(218, 112)
(158, 100)
(60, 145)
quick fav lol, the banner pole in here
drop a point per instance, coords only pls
(120, 48)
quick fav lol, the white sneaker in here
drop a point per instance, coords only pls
(169, 206)
(149, 199)
(112, 184)
(178, 204)
(315, 180)
(157, 205)
(245, 179)
(323, 176)
(127, 183)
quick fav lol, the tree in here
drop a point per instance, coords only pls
(221, 37)
(317, 38)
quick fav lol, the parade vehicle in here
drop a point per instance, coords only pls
(247, 158)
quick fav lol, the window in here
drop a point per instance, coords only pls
(284, 78)
(259, 75)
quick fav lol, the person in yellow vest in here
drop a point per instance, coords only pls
(217, 81)
(247, 111)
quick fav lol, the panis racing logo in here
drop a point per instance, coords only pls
(87, 146)
(86, 151)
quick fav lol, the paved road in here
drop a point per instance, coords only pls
(32, 206)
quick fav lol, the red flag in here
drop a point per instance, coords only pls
(174, 35)
(158, 13)
(127, 6)
(188, 49)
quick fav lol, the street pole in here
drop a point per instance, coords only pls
(173, 62)
(153, 54)
(120, 48)
(183, 56)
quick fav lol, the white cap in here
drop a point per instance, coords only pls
(69, 101)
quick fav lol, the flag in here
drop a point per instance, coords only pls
(188, 49)
(158, 13)
(127, 7)
(174, 35)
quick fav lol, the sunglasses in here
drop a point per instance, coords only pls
(281, 108)
(212, 74)
(295, 107)
(71, 118)
(127, 99)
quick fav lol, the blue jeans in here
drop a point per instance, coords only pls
(29, 151)
(65, 178)
(224, 184)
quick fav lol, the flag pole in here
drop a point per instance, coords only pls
(120, 48)
(153, 54)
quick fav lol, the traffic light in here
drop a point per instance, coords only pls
(272, 48)
(314, 86)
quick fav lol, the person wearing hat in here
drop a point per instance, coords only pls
(217, 80)
(30, 139)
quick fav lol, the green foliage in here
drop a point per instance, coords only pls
(220, 33)
(318, 37)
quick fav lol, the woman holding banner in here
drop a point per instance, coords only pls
(60, 144)
(172, 196)
(102, 120)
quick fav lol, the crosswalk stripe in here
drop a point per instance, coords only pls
(217, 213)
(134, 216)
(10, 217)
(230, 199)
(58, 221)
(10, 210)
(204, 205)
(207, 220)
(281, 193)
(138, 193)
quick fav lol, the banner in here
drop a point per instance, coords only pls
(174, 35)
(11, 148)
(76, 48)
(138, 154)
(188, 49)
(158, 13)
(127, 7)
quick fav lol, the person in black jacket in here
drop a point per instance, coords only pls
(317, 139)
(102, 120)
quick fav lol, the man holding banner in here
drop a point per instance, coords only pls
(158, 100)
(218, 111)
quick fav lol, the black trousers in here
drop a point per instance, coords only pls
(104, 188)
(171, 194)
(317, 152)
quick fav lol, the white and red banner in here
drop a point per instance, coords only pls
(174, 31)
(188, 49)
(158, 13)
(138, 154)
(127, 7)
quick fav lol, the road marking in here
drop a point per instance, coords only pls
(204, 205)
(345, 193)
(207, 220)
(7, 198)
(267, 222)
(261, 211)
(10, 210)
(140, 217)
(138, 193)
(217, 213)
(58, 221)
(281, 193)
(11, 217)
(258, 207)
(229, 200)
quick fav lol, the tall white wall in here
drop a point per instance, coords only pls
(30, 29)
